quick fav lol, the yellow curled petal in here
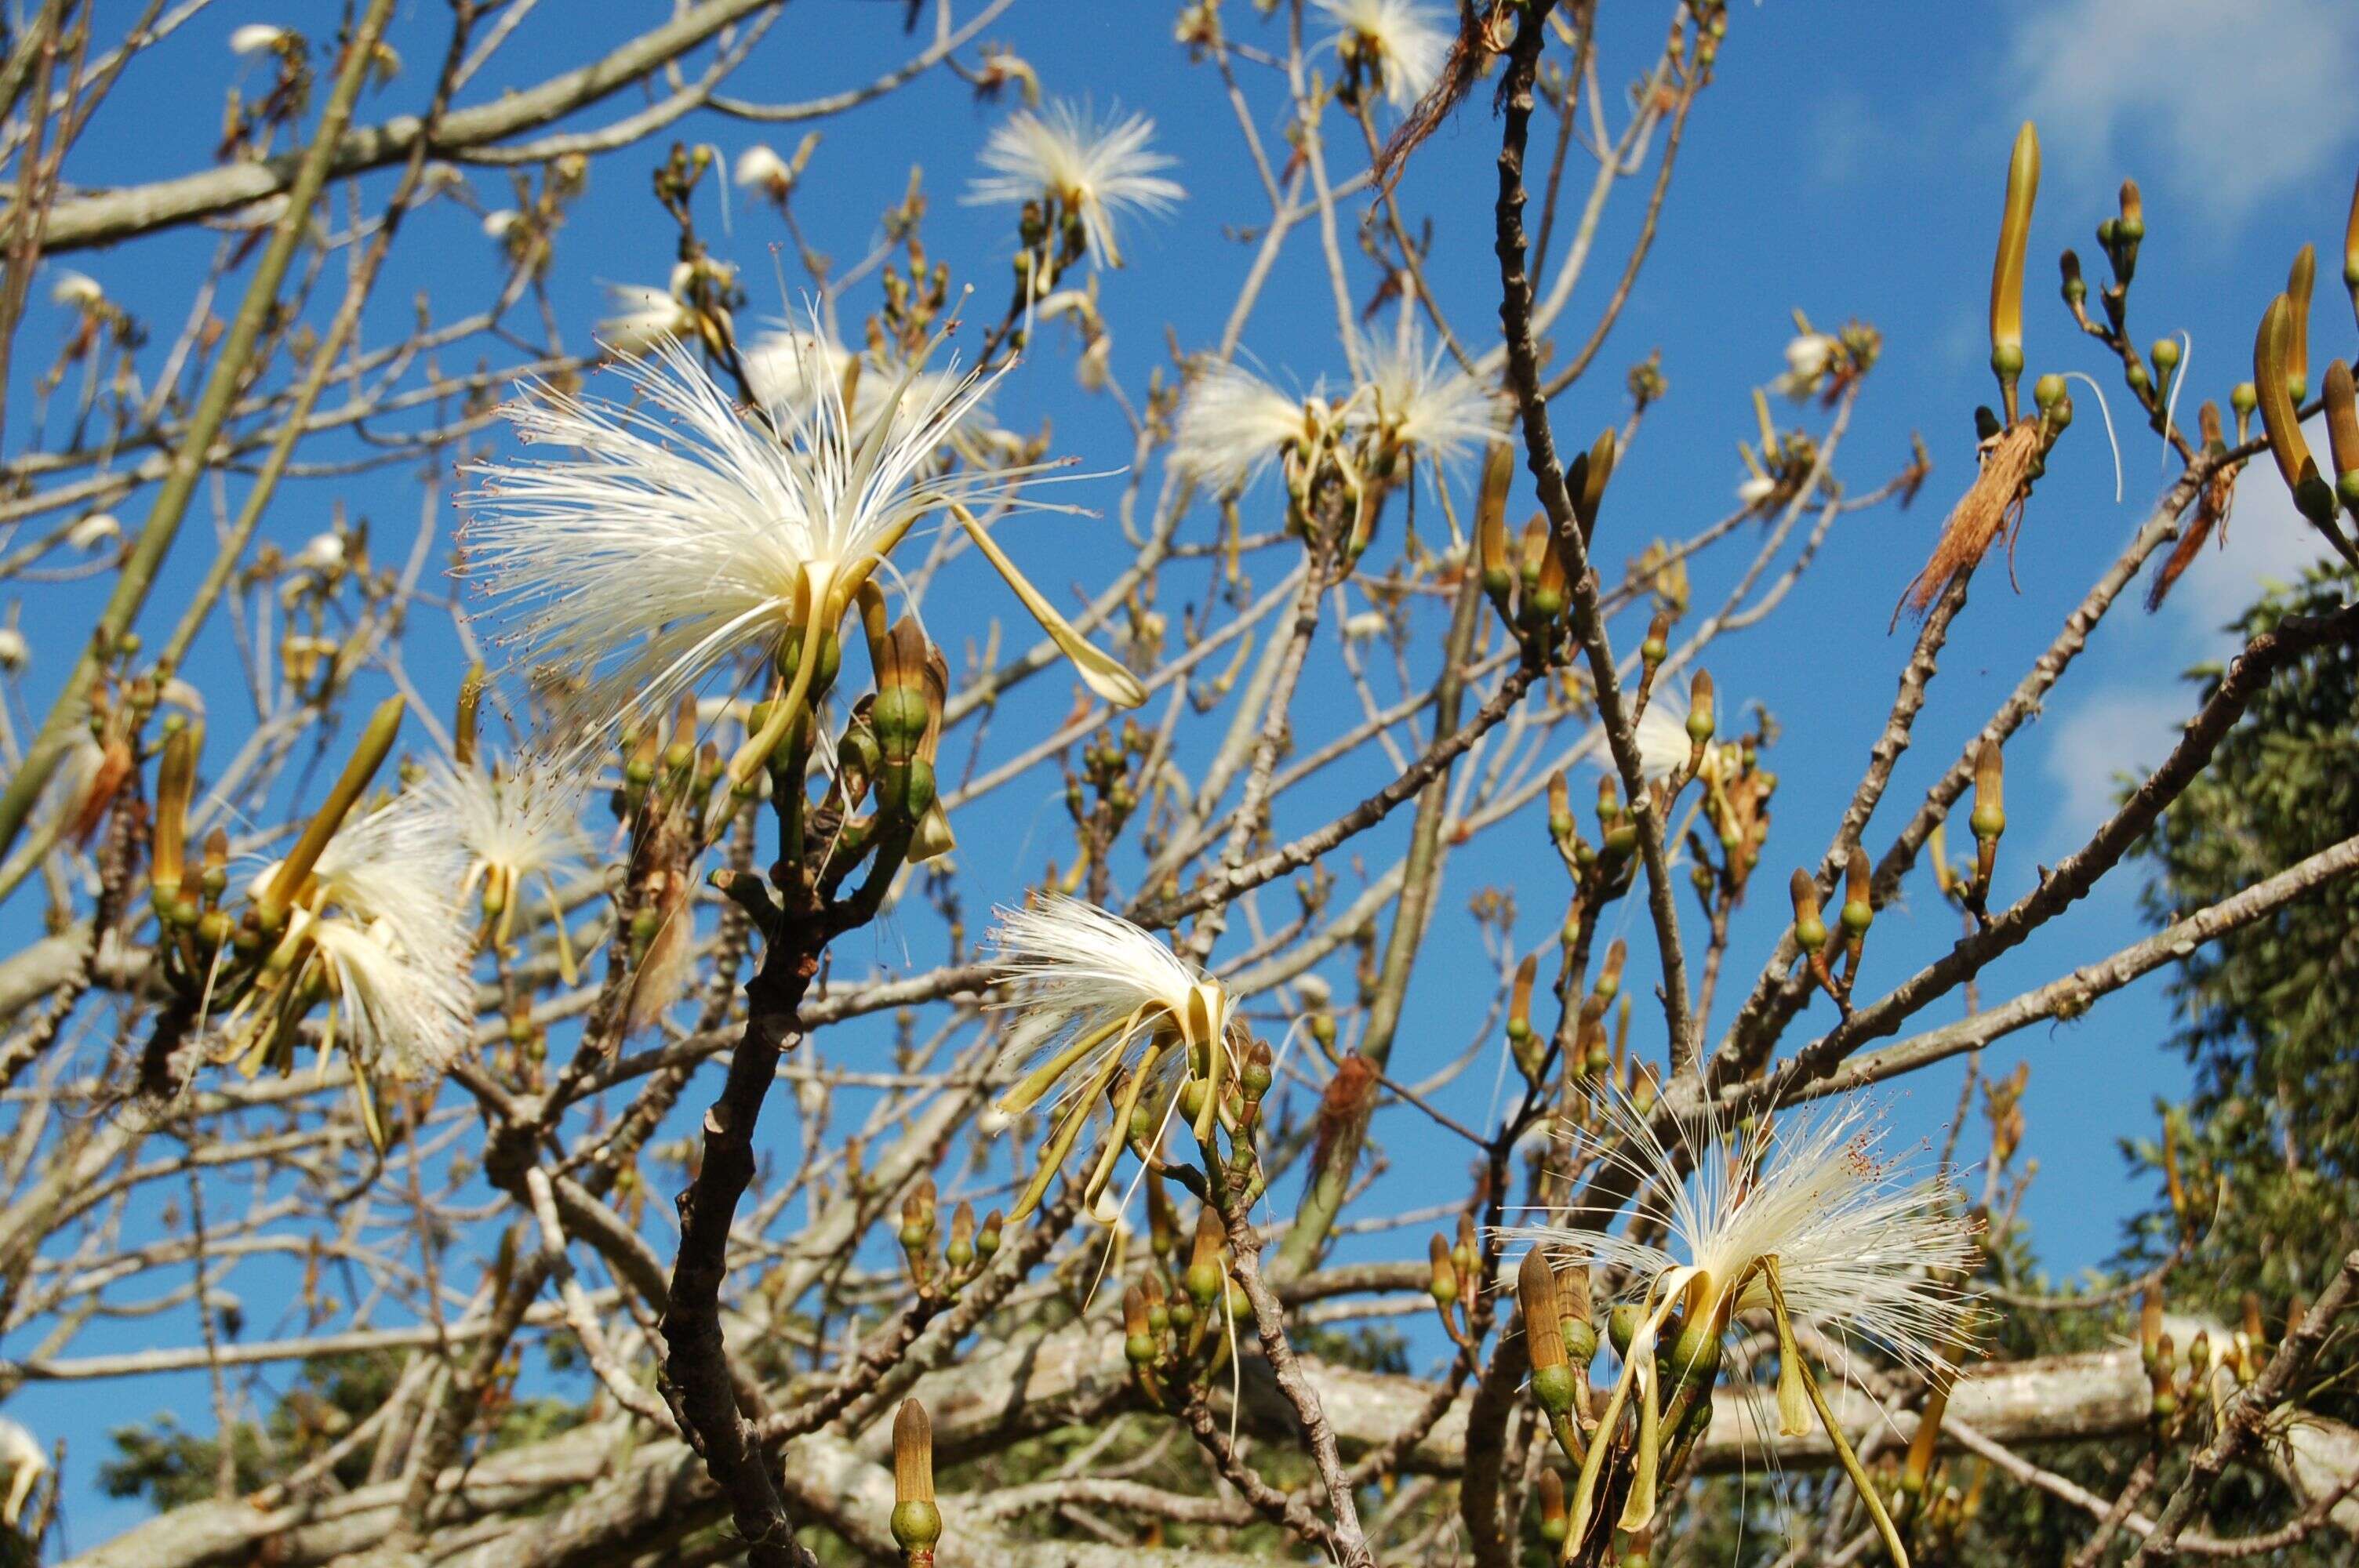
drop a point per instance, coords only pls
(1099, 670)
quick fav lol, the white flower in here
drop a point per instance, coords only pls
(1809, 356)
(1864, 1253)
(323, 553)
(1096, 169)
(643, 319)
(77, 289)
(520, 827)
(1232, 424)
(1808, 353)
(25, 1461)
(501, 221)
(1407, 42)
(1424, 400)
(1757, 489)
(380, 918)
(1661, 733)
(681, 537)
(398, 865)
(396, 1011)
(1366, 624)
(95, 532)
(14, 652)
(1097, 993)
(760, 166)
(257, 37)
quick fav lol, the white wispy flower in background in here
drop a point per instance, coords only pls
(644, 317)
(1423, 400)
(1864, 1253)
(1406, 42)
(1098, 170)
(77, 290)
(1231, 424)
(520, 827)
(785, 369)
(1807, 355)
(95, 531)
(1661, 733)
(759, 166)
(26, 1462)
(680, 536)
(257, 37)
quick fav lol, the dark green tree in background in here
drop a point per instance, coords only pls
(2270, 1130)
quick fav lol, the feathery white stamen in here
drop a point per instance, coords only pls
(681, 537)
(1076, 970)
(1864, 1252)
(1098, 170)
(382, 917)
(522, 825)
(1407, 41)
(1662, 734)
(1423, 400)
(1232, 424)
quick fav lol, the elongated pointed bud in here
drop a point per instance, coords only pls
(1809, 925)
(1536, 1294)
(2006, 269)
(1701, 717)
(1589, 494)
(176, 782)
(2272, 384)
(2342, 432)
(1859, 894)
(368, 755)
(1520, 1003)
(2351, 250)
(916, 1522)
(2150, 1324)
(1498, 477)
(1545, 578)
(2301, 281)
(1609, 974)
(1442, 1276)
(1988, 819)
(1574, 1304)
(1205, 1273)
(1554, 1523)
(1497, 565)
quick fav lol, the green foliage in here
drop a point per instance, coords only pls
(2271, 1128)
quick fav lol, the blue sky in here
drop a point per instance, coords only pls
(1847, 162)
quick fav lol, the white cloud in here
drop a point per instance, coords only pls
(2118, 730)
(2243, 98)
